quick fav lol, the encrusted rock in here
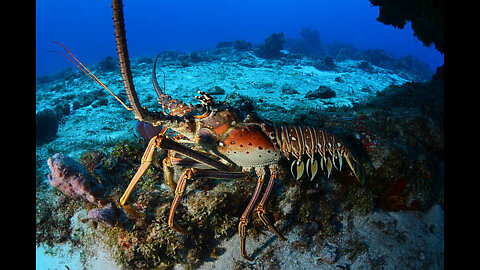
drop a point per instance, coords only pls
(322, 92)
(106, 215)
(46, 126)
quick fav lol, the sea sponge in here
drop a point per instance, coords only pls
(73, 179)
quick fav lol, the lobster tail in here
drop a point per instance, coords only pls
(320, 149)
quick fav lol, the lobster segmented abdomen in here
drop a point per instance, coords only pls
(321, 148)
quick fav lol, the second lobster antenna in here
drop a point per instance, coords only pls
(88, 72)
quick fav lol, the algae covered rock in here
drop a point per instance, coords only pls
(272, 47)
(323, 92)
(46, 126)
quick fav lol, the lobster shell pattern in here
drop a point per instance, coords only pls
(318, 146)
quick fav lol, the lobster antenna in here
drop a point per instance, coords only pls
(88, 72)
(159, 90)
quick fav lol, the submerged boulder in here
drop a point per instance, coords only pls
(272, 47)
(322, 92)
(46, 126)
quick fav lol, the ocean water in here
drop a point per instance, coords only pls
(389, 114)
(86, 27)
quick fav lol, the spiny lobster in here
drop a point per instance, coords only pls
(224, 143)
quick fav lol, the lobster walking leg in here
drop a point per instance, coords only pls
(147, 159)
(261, 205)
(242, 225)
(168, 173)
(181, 185)
(161, 141)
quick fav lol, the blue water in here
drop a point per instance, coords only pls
(86, 27)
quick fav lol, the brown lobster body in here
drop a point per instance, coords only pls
(251, 143)
(215, 141)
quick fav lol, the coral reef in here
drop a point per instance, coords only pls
(272, 47)
(73, 180)
(108, 64)
(242, 45)
(308, 44)
(311, 39)
(426, 17)
(326, 63)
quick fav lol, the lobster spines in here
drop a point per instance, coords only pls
(170, 106)
(319, 148)
(356, 168)
(124, 61)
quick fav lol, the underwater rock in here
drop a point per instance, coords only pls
(46, 126)
(378, 57)
(73, 179)
(325, 64)
(344, 53)
(309, 43)
(365, 66)
(216, 90)
(107, 215)
(426, 18)
(322, 92)
(272, 47)
(240, 102)
(328, 254)
(224, 44)
(145, 60)
(101, 101)
(312, 228)
(62, 109)
(289, 90)
(242, 45)
(195, 58)
(108, 64)
(147, 130)
(415, 67)
(311, 38)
